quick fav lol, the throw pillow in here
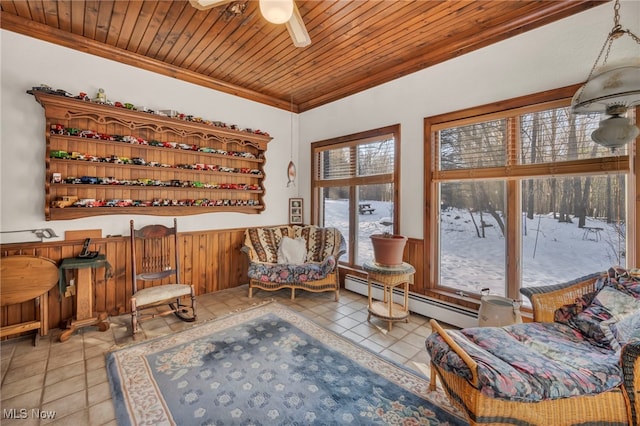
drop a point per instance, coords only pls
(566, 312)
(625, 281)
(608, 305)
(292, 251)
(617, 302)
(622, 330)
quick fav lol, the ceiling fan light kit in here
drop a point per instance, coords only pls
(276, 11)
(611, 89)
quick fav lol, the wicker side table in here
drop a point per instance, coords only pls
(389, 277)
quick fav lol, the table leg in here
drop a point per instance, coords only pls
(84, 306)
(406, 296)
(406, 299)
(84, 294)
(369, 291)
(390, 322)
(44, 314)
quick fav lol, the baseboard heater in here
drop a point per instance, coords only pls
(420, 304)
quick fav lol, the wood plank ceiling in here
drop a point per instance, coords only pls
(355, 45)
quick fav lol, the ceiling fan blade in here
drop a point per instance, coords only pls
(297, 29)
(208, 4)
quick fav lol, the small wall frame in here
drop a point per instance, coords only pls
(295, 211)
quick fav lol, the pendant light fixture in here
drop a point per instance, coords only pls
(611, 89)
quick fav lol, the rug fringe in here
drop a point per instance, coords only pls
(252, 306)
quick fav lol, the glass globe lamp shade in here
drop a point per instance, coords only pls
(615, 132)
(618, 86)
(276, 11)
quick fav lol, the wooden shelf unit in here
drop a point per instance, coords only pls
(226, 186)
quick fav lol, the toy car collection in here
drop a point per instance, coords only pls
(72, 200)
(84, 177)
(59, 129)
(79, 156)
(101, 98)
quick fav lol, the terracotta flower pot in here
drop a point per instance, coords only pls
(388, 249)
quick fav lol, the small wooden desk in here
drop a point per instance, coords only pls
(390, 277)
(84, 294)
(23, 278)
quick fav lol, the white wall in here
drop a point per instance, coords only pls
(553, 56)
(27, 62)
(556, 55)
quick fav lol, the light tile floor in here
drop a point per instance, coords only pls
(66, 383)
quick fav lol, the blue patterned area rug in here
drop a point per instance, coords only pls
(267, 365)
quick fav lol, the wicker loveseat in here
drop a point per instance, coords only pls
(560, 372)
(312, 265)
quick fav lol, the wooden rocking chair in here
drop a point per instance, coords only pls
(155, 263)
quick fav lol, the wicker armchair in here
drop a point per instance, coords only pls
(322, 248)
(616, 406)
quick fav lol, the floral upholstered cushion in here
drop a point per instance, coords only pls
(530, 362)
(290, 273)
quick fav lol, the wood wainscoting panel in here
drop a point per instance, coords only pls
(414, 255)
(211, 261)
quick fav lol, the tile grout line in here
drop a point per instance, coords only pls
(46, 372)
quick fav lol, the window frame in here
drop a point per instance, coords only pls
(513, 176)
(352, 141)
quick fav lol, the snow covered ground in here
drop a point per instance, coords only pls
(552, 252)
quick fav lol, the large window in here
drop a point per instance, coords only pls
(522, 197)
(355, 187)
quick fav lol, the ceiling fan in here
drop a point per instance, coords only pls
(275, 11)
